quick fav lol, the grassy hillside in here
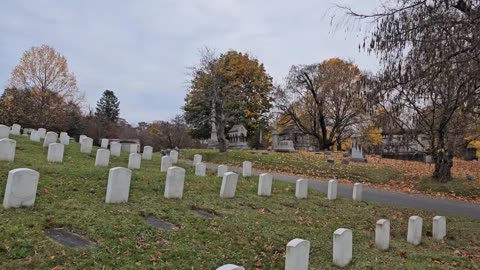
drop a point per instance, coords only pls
(249, 230)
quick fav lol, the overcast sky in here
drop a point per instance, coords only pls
(141, 49)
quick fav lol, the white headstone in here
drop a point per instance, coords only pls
(21, 188)
(15, 129)
(166, 163)
(64, 138)
(229, 185)
(80, 139)
(55, 152)
(357, 192)
(247, 168)
(7, 149)
(86, 145)
(34, 136)
(118, 185)
(265, 184)
(51, 137)
(222, 169)
(4, 131)
(133, 148)
(115, 149)
(414, 235)
(332, 189)
(104, 143)
(174, 156)
(103, 158)
(134, 161)
(200, 169)
(42, 133)
(230, 267)
(196, 159)
(439, 228)
(297, 255)
(342, 247)
(175, 182)
(301, 189)
(382, 234)
(147, 153)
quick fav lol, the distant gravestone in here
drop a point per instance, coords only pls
(439, 228)
(414, 235)
(64, 138)
(4, 131)
(118, 186)
(230, 267)
(200, 169)
(51, 137)
(357, 192)
(297, 254)
(174, 156)
(229, 185)
(55, 152)
(175, 182)
(301, 189)
(86, 145)
(222, 169)
(42, 133)
(21, 188)
(196, 159)
(147, 153)
(265, 184)
(7, 149)
(332, 189)
(382, 234)
(342, 247)
(133, 148)
(15, 129)
(134, 161)
(102, 158)
(34, 136)
(166, 163)
(247, 168)
(104, 143)
(115, 149)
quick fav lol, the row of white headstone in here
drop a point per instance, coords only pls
(298, 250)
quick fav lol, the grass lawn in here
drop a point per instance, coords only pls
(397, 175)
(249, 230)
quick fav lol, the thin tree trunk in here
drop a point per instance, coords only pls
(443, 161)
(222, 140)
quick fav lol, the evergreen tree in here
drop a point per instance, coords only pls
(108, 106)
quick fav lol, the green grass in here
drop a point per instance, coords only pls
(456, 187)
(251, 231)
(298, 163)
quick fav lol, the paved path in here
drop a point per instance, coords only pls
(440, 206)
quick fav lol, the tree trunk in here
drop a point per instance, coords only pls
(222, 140)
(339, 145)
(443, 161)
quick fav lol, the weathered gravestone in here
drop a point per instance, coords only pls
(332, 189)
(68, 238)
(200, 169)
(64, 138)
(166, 163)
(342, 247)
(102, 158)
(115, 149)
(118, 186)
(4, 131)
(196, 159)
(222, 169)
(175, 182)
(229, 185)
(382, 234)
(158, 223)
(133, 148)
(174, 156)
(55, 152)
(134, 161)
(21, 188)
(51, 137)
(42, 133)
(7, 149)
(439, 228)
(247, 168)
(86, 145)
(230, 267)
(80, 139)
(297, 254)
(15, 129)
(265, 184)
(301, 189)
(147, 153)
(35, 136)
(357, 192)
(104, 143)
(414, 235)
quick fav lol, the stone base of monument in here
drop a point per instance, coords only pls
(284, 146)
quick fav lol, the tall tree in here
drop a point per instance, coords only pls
(225, 90)
(430, 81)
(108, 106)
